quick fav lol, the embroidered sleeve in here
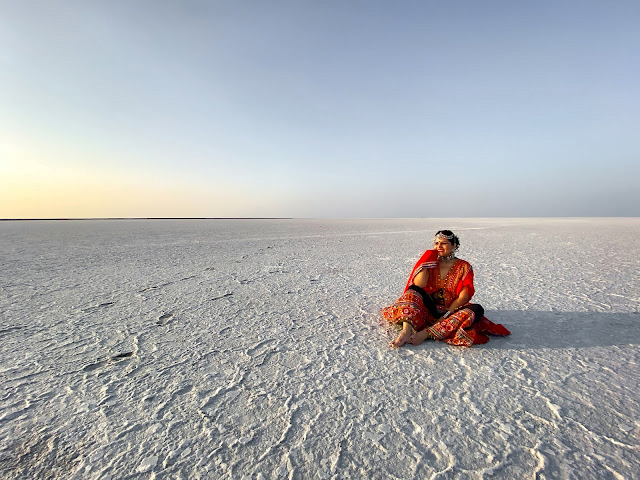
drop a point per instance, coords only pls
(421, 267)
(467, 281)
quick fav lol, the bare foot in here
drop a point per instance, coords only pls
(419, 337)
(405, 334)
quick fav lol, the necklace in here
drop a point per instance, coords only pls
(448, 258)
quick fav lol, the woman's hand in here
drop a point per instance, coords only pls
(462, 299)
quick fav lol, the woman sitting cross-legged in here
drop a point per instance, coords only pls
(435, 303)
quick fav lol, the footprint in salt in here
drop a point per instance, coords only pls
(184, 390)
(122, 356)
(164, 319)
(221, 296)
(116, 358)
(94, 366)
(95, 307)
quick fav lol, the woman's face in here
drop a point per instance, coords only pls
(443, 246)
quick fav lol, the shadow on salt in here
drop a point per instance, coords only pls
(535, 330)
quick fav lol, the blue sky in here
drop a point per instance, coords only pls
(319, 108)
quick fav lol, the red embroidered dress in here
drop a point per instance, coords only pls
(444, 291)
(458, 328)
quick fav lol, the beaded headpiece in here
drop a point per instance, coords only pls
(442, 236)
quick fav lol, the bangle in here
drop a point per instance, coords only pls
(447, 313)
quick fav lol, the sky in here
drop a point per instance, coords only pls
(319, 108)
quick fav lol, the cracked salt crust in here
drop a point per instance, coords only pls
(252, 349)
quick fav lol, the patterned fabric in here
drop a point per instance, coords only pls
(445, 290)
(452, 328)
(409, 308)
(460, 276)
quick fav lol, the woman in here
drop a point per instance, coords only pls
(435, 303)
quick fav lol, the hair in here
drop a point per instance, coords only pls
(448, 233)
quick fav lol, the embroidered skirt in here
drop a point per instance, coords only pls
(452, 329)
(456, 329)
(409, 308)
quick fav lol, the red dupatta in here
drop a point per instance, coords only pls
(429, 259)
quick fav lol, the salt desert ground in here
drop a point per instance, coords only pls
(252, 349)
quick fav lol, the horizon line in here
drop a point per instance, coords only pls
(286, 218)
(141, 218)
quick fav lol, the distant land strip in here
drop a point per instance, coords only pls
(141, 218)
